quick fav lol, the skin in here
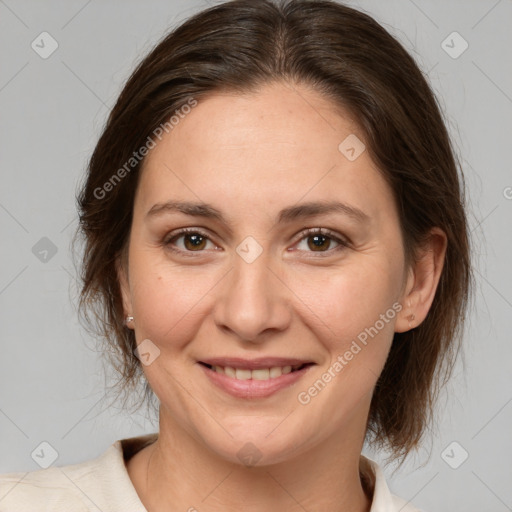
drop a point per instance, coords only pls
(250, 156)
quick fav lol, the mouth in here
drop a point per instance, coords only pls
(246, 373)
(257, 378)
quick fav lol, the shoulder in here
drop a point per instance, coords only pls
(102, 483)
(42, 490)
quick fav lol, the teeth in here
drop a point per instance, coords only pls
(260, 374)
(230, 372)
(275, 372)
(243, 374)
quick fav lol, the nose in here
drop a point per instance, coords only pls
(254, 301)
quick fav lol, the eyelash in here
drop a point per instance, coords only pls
(343, 244)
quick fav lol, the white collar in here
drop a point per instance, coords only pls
(105, 482)
(383, 500)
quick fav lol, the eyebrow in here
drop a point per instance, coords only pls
(300, 211)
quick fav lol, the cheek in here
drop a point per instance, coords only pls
(166, 302)
(348, 300)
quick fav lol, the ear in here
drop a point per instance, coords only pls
(422, 280)
(124, 285)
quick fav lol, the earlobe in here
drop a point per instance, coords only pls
(422, 282)
(407, 320)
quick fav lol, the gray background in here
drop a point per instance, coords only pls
(52, 386)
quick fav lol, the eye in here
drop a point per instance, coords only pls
(320, 240)
(194, 240)
(317, 240)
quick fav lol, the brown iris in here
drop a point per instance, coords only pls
(197, 241)
(318, 240)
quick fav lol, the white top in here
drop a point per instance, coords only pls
(103, 484)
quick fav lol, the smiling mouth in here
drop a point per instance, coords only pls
(257, 374)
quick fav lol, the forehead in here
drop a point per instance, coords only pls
(274, 146)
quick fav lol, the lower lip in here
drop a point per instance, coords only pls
(252, 388)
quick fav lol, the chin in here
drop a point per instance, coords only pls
(257, 441)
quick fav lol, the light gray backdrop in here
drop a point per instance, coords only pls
(53, 106)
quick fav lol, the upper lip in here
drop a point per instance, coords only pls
(254, 364)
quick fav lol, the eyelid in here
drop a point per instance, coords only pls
(184, 231)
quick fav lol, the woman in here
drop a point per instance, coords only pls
(276, 240)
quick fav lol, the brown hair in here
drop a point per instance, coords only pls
(349, 58)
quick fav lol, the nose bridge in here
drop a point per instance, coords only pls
(253, 299)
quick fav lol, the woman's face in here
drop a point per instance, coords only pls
(249, 287)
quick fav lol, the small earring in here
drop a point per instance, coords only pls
(411, 317)
(129, 319)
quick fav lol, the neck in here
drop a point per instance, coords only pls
(180, 472)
